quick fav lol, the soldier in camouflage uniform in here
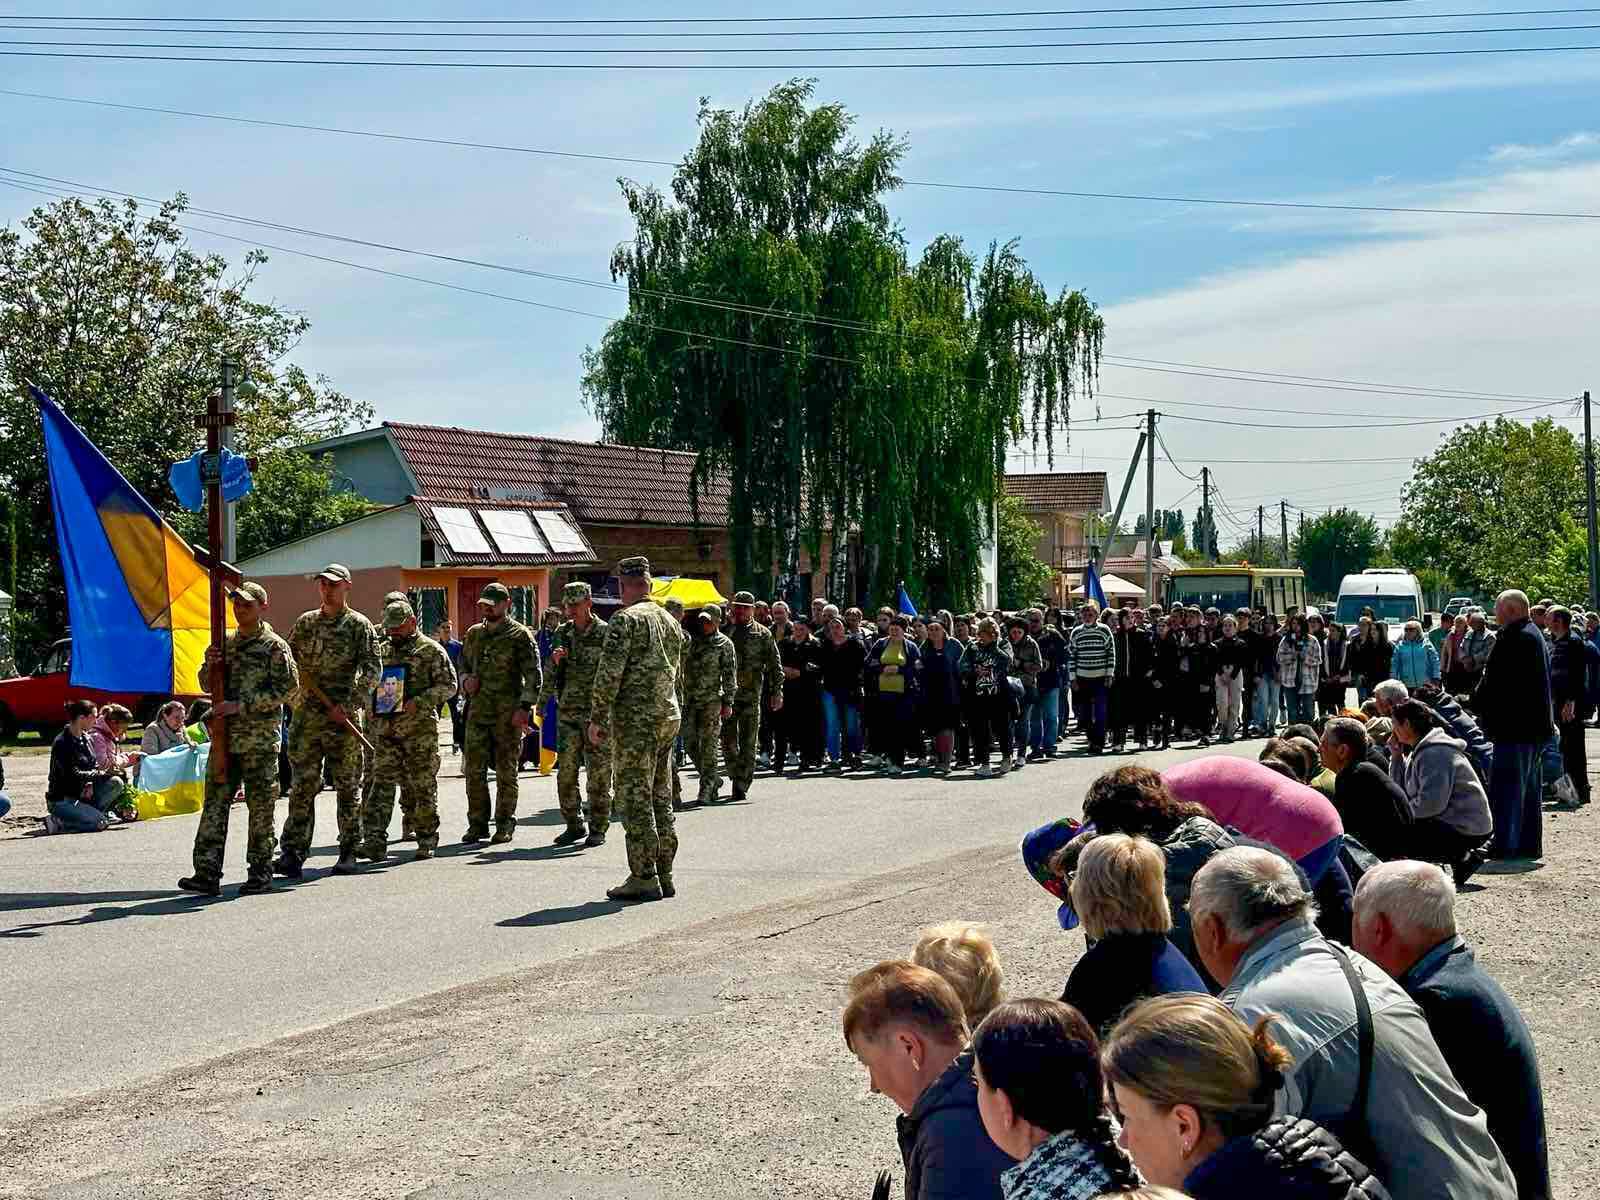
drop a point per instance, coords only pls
(259, 679)
(635, 705)
(407, 741)
(674, 607)
(574, 655)
(710, 680)
(369, 758)
(760, 679)
(501, 679)
(336, 649)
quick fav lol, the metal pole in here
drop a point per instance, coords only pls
(229, 546)
(1261, 536)
(1150, 507)
(1588, 474)
(1283, 516)
(1205, 513)
(219, 414)
(1116, 517)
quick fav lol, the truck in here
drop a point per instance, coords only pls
(37, 702)
(1392, 593)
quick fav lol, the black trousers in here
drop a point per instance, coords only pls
(990, 721)
(799, 726)
(893, 730)
(1574, 756)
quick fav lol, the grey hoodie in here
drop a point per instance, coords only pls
(1439, 780)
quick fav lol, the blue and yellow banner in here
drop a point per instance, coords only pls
(138, 600)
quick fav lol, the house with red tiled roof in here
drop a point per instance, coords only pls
(464, 506)
(1062, 503)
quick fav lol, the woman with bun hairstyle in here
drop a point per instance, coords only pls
(1195, 1087)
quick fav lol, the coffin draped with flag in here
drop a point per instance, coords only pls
(138, 599)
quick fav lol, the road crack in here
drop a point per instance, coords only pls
(820, 917)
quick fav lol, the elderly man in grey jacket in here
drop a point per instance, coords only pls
(1254, 932)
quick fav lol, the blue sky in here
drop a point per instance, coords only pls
(1485, 304)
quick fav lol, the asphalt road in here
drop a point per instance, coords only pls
(108, 974)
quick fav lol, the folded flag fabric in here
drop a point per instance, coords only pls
(190, 489)
(903, 601)
(172, 782)
(138, 599)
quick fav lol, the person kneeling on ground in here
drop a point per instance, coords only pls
(1451, 821)
(79, 792)
(1196, 1090)
(1040, 1092)
(906, 1026)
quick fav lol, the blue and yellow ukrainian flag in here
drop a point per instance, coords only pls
(139, 602)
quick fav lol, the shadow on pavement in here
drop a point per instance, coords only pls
(175, 902)
(24, 901)
(564, 915)
(488, 858)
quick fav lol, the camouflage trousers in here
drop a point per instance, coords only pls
(410, 763)
(257, 770)
(573, 751)
(491, 738)
(702, 737)
(643, 762)
(313, 739)
(739, 743)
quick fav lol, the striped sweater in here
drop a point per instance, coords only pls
(1094, 653)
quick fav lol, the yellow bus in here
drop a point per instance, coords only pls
(1276, 589)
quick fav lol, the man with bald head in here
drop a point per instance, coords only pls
(1512, 701)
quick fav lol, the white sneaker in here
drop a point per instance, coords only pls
(984, 772)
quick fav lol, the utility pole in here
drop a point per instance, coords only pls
(229, 546)
(1205, 513)
(218, 417)
(1122, 500)
(1283, 517)
(1588, 476)
(1261, 537)
(1150, 507)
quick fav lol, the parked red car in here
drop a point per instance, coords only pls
(38, 701)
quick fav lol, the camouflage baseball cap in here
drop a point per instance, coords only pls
(391, 597)
(575, 593)
(711, 612)
(396, 613)
(745, 599)
(673, 605)
(494, 593)
(252, 593)
(334, 573)
(637, 565)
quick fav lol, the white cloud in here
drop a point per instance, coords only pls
(1571, 146)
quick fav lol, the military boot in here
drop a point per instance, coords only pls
(664, 878)
(375, 851)
(347, 864)
(597, 837)
(502, 835)
(288, 866)
(634, 890)
(406, 832)
(259, 880)
(201, 885)
(424, 851)
(572, 835)
(473, 836)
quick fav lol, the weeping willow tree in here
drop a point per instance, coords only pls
(777, 327)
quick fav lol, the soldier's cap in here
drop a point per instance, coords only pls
(494, 593)
(673, 605)
(250, 593)
(334, 573)
(711, 613)
(744, 600)
(575, 593)
(637, 565)
(396, 613)
(391, 597)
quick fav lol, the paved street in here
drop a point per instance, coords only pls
(95, 923)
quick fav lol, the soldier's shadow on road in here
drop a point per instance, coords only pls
(487, 858)
(564, 915)
(170, 903)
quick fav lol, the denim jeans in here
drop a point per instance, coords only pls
(842, 720)
(85, 816)
(1264, 712)
(1515, 797)
(1092, 700)
(1022, 726)
(1045, 721)
(5, 804)
(1302, 706)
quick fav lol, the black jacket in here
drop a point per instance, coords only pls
(71, 766)
(1291, 1159)
(1123, 968)
(1141, 653)
(1233, 655)
(841, 669)
(1569, 674)
(1513, 697)
(947, 1153)
(1490, 1051)
(1373, 809)
(1164, 653)
(1053, 650)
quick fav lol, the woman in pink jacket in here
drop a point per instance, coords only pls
(1263, 805)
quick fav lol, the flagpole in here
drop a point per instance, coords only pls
(219, 414)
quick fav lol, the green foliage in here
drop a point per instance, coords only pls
(1023, 579)
(834, 383)
(124, 326)
(295, 495)
(1203, 536)
(1168, 521)
(1564, 573)
(1340, 542)
(1488, 508)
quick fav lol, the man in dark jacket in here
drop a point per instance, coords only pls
(1513, 702)
(1371, 805)
(1405, 922)
(1569, 696)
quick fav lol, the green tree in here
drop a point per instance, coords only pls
(1204, 535)
(113, 315)
(777, 327)
(295, 495)
(1340, 542)
(1023, 579)
(1486, 508)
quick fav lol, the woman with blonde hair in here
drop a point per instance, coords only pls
(964, 956)
(1195, 1089)
(1118, 890)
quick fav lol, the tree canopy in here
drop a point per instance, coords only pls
(1023, 579)
(1494, 505)
(112, 314)
(1340, 542)
(778, 327)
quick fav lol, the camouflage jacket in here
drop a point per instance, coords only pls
(505, 658)
(430, 681)
(261, 675)
(710, 670)
(636, 683)
(571, 681)
(339, 654)
(759, 672)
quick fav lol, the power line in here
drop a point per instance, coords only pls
(1124, 358)
(983, 64)
(1375, 389)
(1349, 429)
(1058, 193)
